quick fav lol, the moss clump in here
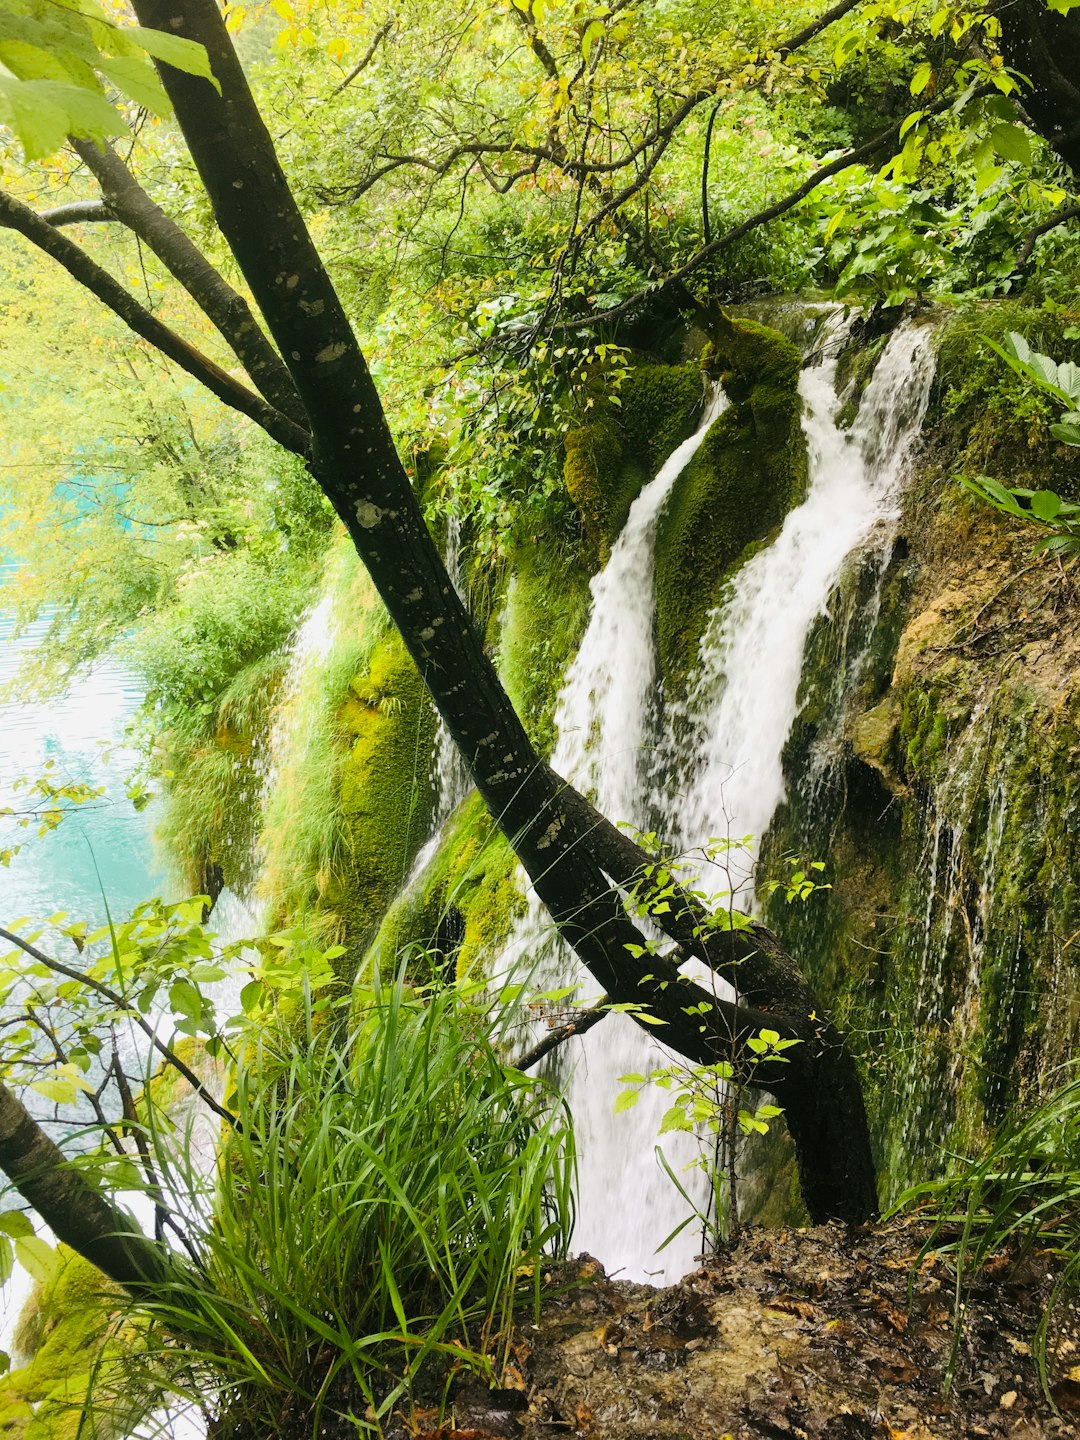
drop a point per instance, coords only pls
(547, 609)
(469, 891)
(609, 460)
(66, 1329)
(387, 791)
(736, 490)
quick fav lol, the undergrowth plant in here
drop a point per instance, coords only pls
(1022, 1194)
(378, 1213)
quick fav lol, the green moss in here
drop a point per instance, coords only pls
(387, 792)
(68, 1326)
(736, 490)
(609, 460)
(545, 614)
(471, 882)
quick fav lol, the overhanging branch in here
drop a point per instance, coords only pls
(17, 216)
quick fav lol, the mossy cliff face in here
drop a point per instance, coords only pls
(609, 460)
(387, 790)
(463, 907)
(746, 476)
(934, 767)
(544, 614)
(67, 1327)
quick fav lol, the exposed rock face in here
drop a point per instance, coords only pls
(934, 768)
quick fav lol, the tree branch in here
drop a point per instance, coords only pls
(1027, 249)
(16, 216)
(366, 59)
(228, 311)
(855, 156)
(79, 212)
(580, 1025)
(824, 20)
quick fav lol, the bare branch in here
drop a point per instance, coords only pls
(79, 212)
(824, 20)
(1027, 249)
(780, 207)
(366, 58)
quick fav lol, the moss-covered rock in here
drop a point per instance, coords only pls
(609, 460)
(69, 1325)
(746, 476)
(387, 790)
(465, 904)
(543, 619)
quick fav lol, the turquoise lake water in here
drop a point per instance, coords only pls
(82, 732)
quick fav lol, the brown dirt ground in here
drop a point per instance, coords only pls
(789, 1335)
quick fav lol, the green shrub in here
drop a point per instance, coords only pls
(377, 1216)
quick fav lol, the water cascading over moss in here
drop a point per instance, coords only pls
(933, 766)
(736, 490)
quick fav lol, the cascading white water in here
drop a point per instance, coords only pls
(745, 696)
(602, 718)
(729, 779)
(603, 723)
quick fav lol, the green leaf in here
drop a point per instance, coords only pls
(36, 1257)
(1011, 142)
(174, 50)
(15, 1224)
(675, 1119)
(185, 999)
(139, 82)
(7, 1259)
(626, 1100)
(1067, 433)
(1045, 505)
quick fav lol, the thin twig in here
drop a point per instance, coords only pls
(116, 999)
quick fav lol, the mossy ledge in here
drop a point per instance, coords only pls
(463, 907)
(748, 473)
(68, 1327)
(610, 459)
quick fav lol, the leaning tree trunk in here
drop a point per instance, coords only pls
(354, 459)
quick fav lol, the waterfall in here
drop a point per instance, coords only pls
(603, 721)
(607, 700)
(728, 775)
(745, 695)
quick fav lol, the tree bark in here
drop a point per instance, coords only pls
(1045, 48)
